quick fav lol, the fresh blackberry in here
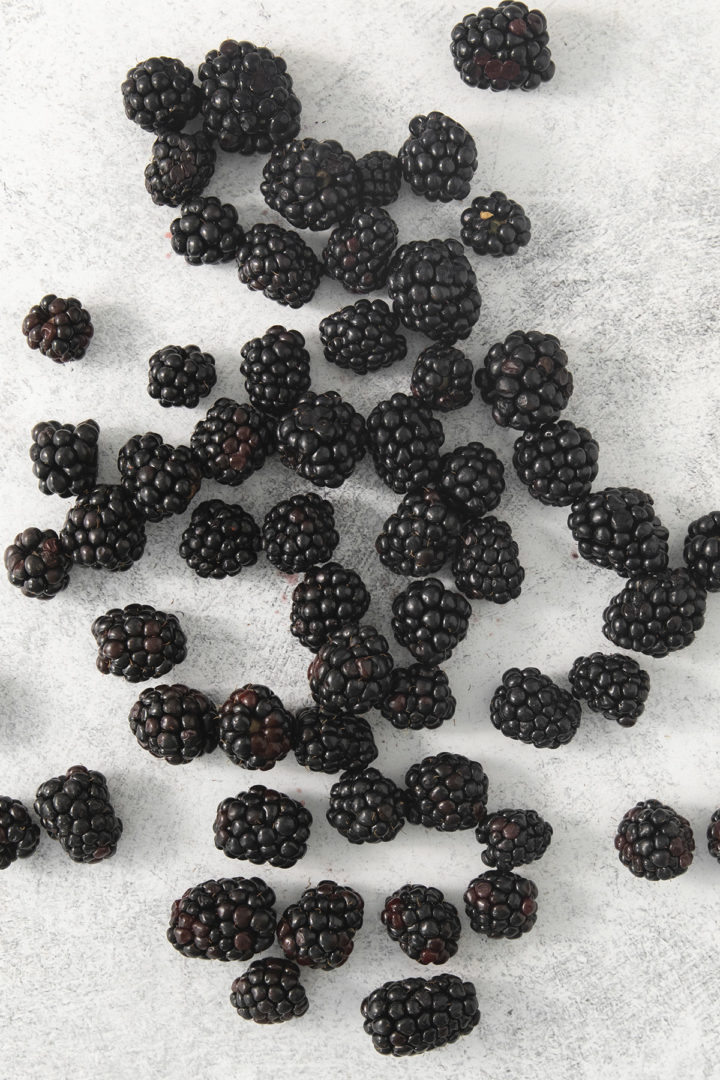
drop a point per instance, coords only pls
(494, 225)
(434, 289)
(232, 442)
(256, 730)
(207, 231)
(180, 376)
(248, 101)
(472, 478)
(161, 479)
(64, 457)
(425, 925)
(333, 744)
(313, 184)
(439, 158)
(503, 48)
(318, 930)
(366, 807)
(405, 440)
(181, 167)
(299, 532)
(269, 992)
(220, 540)
(37, 564)
(656, 614)
(276, 368)
(19, 835)
(351, 672)
(442, 378)
(410, 1016)
(328, 598)
(420, 536)
(501, 904)
(76, 810)
(529, 707)
(430, 620)
(362, 337)
(713, 835)
(160, 94)
(701, 551)
(486, 565)
(557, 462)
(278, 263)
(654, 841)
(105, 529)
(227, 919)
(380, 177)
(419, 697)
(446, 792)
(525, 379)
(513, 838)
(618, 529)
(175, 723)
(322, 438)
(357, 254)
(138, 642)
(60, 329)
(262, 826)
(612, 684)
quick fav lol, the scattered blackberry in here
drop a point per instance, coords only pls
(160, 94)
(362, 337)
(557, 462)
(446, 792)
(702, 550)
(656, 614)
(525, 379)
(175, 723)
(232, 442)
(76, 810)
(379, 177)
(313, 184)
(269, 992)
(423, 922)
(366, 807)
(207, 231)
(181, 376)
(104, 530)
(434, 289)
(228, 919)
(430, 620)
(318, 930)
(299, 532)
(278, 263)
(654, 841)
(19, 835)
(486, 565)
(419, 697)
(161, 479)
(472, 477)
(276, 368)
(410, 1016)
(713, 835)
(64, 457)
(442, 378)
(220, 540)
(351, 672)
(501, 904)
(612, 684)
(494, 225)
(328, 598)
(405, 440)
(530, 707)
(262, 826)
(181, 167)
(60, 329)
(503, 48)
(333, 744)
(36, 563)
(618, 529)
(322, 438)
(439, 158)
(138, 642)
(513, 838)
(420, 536)
(357, 253)
(256, 730)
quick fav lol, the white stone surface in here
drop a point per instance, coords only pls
(616, 164)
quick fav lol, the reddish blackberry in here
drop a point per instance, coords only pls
(366, 807)
(430, 620)
(161, 479)
(333, 744)
(425, 925)
(405, 440)
(420, 536)
(278, 263)
(380, 177)
(207, 231)
(180, 376)
(357, 253)
(105, 529)
(262, 826)
(322, 438)
(256, 730)
(612, 684)
(227, 919)
(513, 838)
(618, 529)
(656, 614)
(75, 809)
(60, 329)
(442, 378)
(269, 992)
(472, 478)
(36, 563)
(362, 337)
(410, 1016)
(494, 225)
(299, 532)
(220, 540)
(654, 841)
(276, 368)
(701, 551)
(439, 158)
(525, 379)
(232, 442)
(312, 183)
(557, 462)
(434, 289)
(19, 835)
(446, 792)
(160, 94)
(64, 457)
(486, 565)
(181, 167)
(529, 707)
(328, 598)
(501, 904)
(503, 48)
(318, 930)
(175, 723)
(138, 642)
(713, 835)
(351, 672)
(419, 697)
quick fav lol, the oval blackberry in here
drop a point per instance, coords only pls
(161, 479)
(333, 743)
(410, 1016)
(299, 532)
(278, 263)
(105, 529)
(232, 442)
(713, 835)
(269, 992)
(362, 337)
(351, 672)
(434, 289)
(262, 826)
(75, 809)
(439, 158)
(701, 551)
(557, 463)
(656, 614)
(525, 379)
(614, 685)
(446, 792)
(207, 231)
(430, 620)
(501, 904)
(425, 925)
(357, 254)
(322, 438)
(513, 838)
(312, 183)
(181, 167)
(227, 919)
(494, 225)
(64, 457)
(221, 540)
(486, 564)
(37, 564)
(472, 478)
(503, 48)
(19, 835)
(420, 536)
(138, 643)
(318, 930)
(531, 708)
(405, 440)
(618, 529)
(419, 697)
(175, 723)
(654, 841)
(379, 177)
(180, 376)
(326, 599)
(160, 94)
(59, 328)
(256, 730)
(276, 368)
(366, 807)
(442, 378)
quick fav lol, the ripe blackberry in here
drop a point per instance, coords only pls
(503, 48)
(446, 792)
(357, 253)
(333, 744)
(442, 378)
(138, 642)
(351, 672)
(19, 835)
(618, 529)
(439, 158)
(557, 462)
(713, 835)
(379, 177)
(701, 551)
(654, 841)
(160, 94)
(328, 598)
(276, 368)
(501, 904)
(181, 167)
(318, 930)
(75, 809)
(220, 540)
(525, 379)
(180, 376)
(36, 563)
(207, 231)
(405, 440)
(60, 329)
(299, 532)
(486, 565)
(472, 478)
(227, 919)
(322, 438)
(513, 838)
(161, 479)
(269, 992)
(656, 614)
(430, 620)
(612, 684)
(232, 442)
(278, 263)
(262, 826)
(64, 457)
(529, 707)
(494, 225)
(362, 337)
(419, 697)
(105, 529)
(410, 1016)
(366, 807)
(256, 730)
(420, 536)
(434, 289)
(312, 183)
(175, 723)
(425, 925)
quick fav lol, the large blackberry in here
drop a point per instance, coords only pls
(439, 158)
(654, 841)
(557, 462)
(366, 807)
(64, 457)
(405, 440)
(419, 697)
(312, 183)
(278, 263)
(525, 379)
(256, 730)
(425, 925)
(262, 826)
(486, 565)
(181, 167)
(37, 564)
(227, 919)
(180, 376)
(501, 904)
(232, 442)
(612, 684)
(351, 672)
(530, 707)
(618, 529)
(430, 620)
(513, 838)
(472, 477)
(318, 930)
(105, 529)
(494, 225)
(333, 744)
(75, 809)
(19, 835)
(701, 551)
(446, 792)
(420, 536)
(410, 1016)
(59, 328)
(322, 438)
(299, 532)
(175, 723)
(713, 835)
(220, 540)
(442, 378)
(207, 231)
(380, 177)
(328, 598)
(269, 992)
(276, 368)
(503, 48)
(138, 642)
(656, 614)
(434, 289)
(161, 479)
(362, 337)
(160, 94)
(357, 254)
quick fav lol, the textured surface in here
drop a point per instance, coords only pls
(614, 163)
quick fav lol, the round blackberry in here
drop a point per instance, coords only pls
(181, 167)
(405, 440)
(36, 563)
(161, 479)
(351, 672)
(207, 231)
(501, 904)
(701, 551)
(557, 462)
(269, 992)
(232, 442)
(227, 919)
(503, 48)
(357, 254)
(60, 329)
(175, 723)
(525, 379)
(446, 792)
(64, 457)
(618, 529)
(262, 826)
(318, 930)
(494, 225)
(311, 183)
(75, 809)
(366, 807)
(612, 684)
(278, 263)
(513, 838)
(276, 368)
(410, 1016)
(430, 620)
(654, 841)
(328, 598)
(220, 540)
(419, 697)
(19, 835)
(656, 614)
(439, 158)
(333, 744)
(420, 536)
(256, 730)
(434, 289)
(442, 378)
(299, 532)
(322, 438)
(105, 529)
(160, 94)
(362, 337)
(529, 707)
(425, 925)
(379, 177)
(180, 376)
(713, 835)
(472, 477)
(138, 642)
(486, 565)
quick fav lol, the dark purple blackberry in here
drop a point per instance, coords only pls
(161, 479)
(357, 254)
(227, 919)
(439, 158)
(207, 231)
(262, 826)
(256, 730)
(220, 540)
(333, 744)
(278, 263)
(60, 329)
(175, 723)
(19, 835)
(503, 48)
(299, 532)
(525, 379)
(362, 337)
(75, 809)
(446, 792)
(181, 167)
(531, 708)
(618, 529)
(232, 442)
(513, 838)
(351, 672)
(180, 376)
(405, 440)
(269, 992)
(442, 378)
(654, 841)
(425, 925)
(434, 289)
(494, 225)
(37, 564)
(713, 835)
(160, 94)
(419, 697)
(380, 177)
(366, 807)
(410, 1016)
(420, 536)
(472, 478)
(430, 620)
(656, 614)
(318, 930)
(486, 564)
(328, 598)
(64, 457)
(312, 183)
(322, 438)
(701, 551)
(105, 529)
(138, 643)
(612, 684)
(276, 368)
(557, 462)
(501, 904)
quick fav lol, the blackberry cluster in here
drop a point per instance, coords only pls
(256, 730)
(531, 708)
(439, 158)
(227, 919)
(656, 614)
(161, 479)
(37, 564)
(612, 684)
(221, 540)
(654, 841)
(175, 723)
(701, 551)
(64, 457)
(351, 671)
(299, 532)
(419, 697)
(232, 442)
(207, 231)
(713, 835)
(138, 643)
(19, 835)
(618, 529)
(278, 263)
(434, 289)
(513, 838)
(525, 379)
(362, 337)
(311, 183)
(503, 48)
(410, 1016)
(105, 529)
(357, 254)
(486, 565)
(269, 992)
(328, 598)
(59, 328)
(366, 807)
(430, 620)
(262, 826)
(379, 177)
(318, 930)
(276, 369)
(425, 925)
(501, 904)
(420, 536)
(180, 376)
(446, 792)
(75, 809)
(472, 478)
(333, 744)
(405, 440)
(160, 94)
(557, 462)
(322, 438)
(181, 167)
(494, 225)
(442, 378)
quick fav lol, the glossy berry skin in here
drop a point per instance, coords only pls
(276, 369)
(419, 697)
(701, 551)
(434, 289)
(503, 48)
(501, 904)
(328, 598)
(220, 540)
(64, 457)
(175, 723)
(269, 992)
(75, 809)
(227, 919)
(104, 529)
(322, 438)
(351, 672)
(446, 792)
(138, 642)
(180, 376)
(262, 826)
(278, 263)
(439, 158)
(424, 924)
(655, 842)
(472, 478)
(160, 94)
(404, 439)
(442, 378)
(161, 479)
(19, 835)
(256, 730)
(331, 743)
(513, 838)
(232, 441)
(366, 807)
(612, 684)
(713, 835)
(181, 167)
(317, 931)
(362, 337)
(530, 707)
(37, 564)
(420, 536)
(357, 254)
(525, 380)
(656, 614)
(380, 178)
(557, 462)
(409, 1016)
(299, 532)
(618, 529)
(59, 328)
(206, 232)
(312, 183)
(430, 620)
(494, 225)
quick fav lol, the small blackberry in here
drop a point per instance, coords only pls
(405, 440)
(262, 826)
(105, 529)
(37, 564)
(501, 904)
(529, 707)
(351, 672)
(446, 792)
(420, 536)
(713, 835)
(525, 379)
(220, 540)
(180, 376)
(612, 684)
(75, 809)
(366, 807)
(513, 838)
(322, 438)
(472, 478)
(181, 167)
(278, 263)
(256, 730)
(64, 457)
(60, 329)
(434, 289)
(430, 620)
(425, 925)
(656, 614)
(503, 48)
(380, 177)
(299, 532)
(442, 378)
(276, 368)
(138, 642)
(494, 225)
(175, 723)
(410, 1016)
(439, 158)
(357, 253)
(419, 697)
(232, 442)
(161, 479)
(333, 744)
(654, 841)
(312, 183)
(486, 565)
(618, 529)
(269, 992)
(328, 598)
(362, 337)
(701, 551)
(557, 462)
(160, 94)
(207, 231)
(19, 835)
(227, 919)
(318, 930)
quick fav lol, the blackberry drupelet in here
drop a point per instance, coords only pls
(351, 672)
(501, 904)
(161, 479)
(256, 730)
(405, 440)
(180, 376)
(276, 368)
(227, 919)
(332, 744)
(59, 328)
(318, 930)
(175, 723)
(513, 838)
(138, 642)
(525, 379)
(472, 478)
(366, 807)
(410, 1016)
(420, 536)
(105, 529)
(503, 48)
(446, 792)
(181, 167)
(379, 177)
(313, 184)
(269, 992)
(419, 697)
(64, 457)
(19, 835)
(37, 564)
(486, 565)
(262, 826)
(328, 598)
(425, 925)
(322, 438)
(439, 158)
(557, 462)
(713, 835)
(357, 254)
(531, 708)
(442, 378)
(612, 684)
(618, 529)
(278, 263)
(430, 620)
(207, 231)
(494, 225)
(434, 289)
(362, 337)
(160, 94)
(232, 442)
(656, 614)
(221, 540)
(701, 551)
(299, 532)
(75, 809)
(654, 841)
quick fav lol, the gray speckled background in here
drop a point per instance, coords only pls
(616, 164)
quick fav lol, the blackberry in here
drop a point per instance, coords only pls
(654, 841)
(207, 231)
(322, 438)
(486, 565)
(446, 792)
(513, 838)
(181, 167)
(351, 672)
(269, 992)
(278, 263)
(37, 564)
(713, 835)
(325, 600)
(529, 707)
(357, 253)
(60, 329)
(430, 620)
(227, 919)
(379, 177)
(232, 442)
(405, 440)
(366, 807)
(262, 826)
(442, 378)
(423, 922)
(299, 532)
(701, 551)
(557, 462)
(494, 225)
(19, 835)
(160, 94)
(318, 930)
(612, 684)
(220, 540)
(64, 457)
(138, 642)
(618, 529)
(333, 744)
(525, 379)
(410, 1016)
(656, 614)
(276, 368)
(434, 289)
(175, 723)
(501, 904)
(313, 184)
(420, 536)
(256, 730)
(503, 48)
(161, 479)
(439, 158)
(419, 697)
(180, 376)
(472, 478)
(105, 529)
(75, 809)
(362, 337)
